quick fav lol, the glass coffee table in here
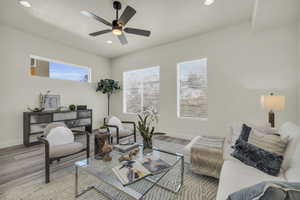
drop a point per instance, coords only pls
(171, 180)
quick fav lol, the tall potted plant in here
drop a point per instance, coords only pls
(108, 86)
(147, 121)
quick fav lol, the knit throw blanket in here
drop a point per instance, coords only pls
(207, 156)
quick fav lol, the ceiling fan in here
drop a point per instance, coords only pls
(118, 25)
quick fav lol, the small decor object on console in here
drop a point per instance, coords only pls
(51, 102)
(72, 107)
(35, 109)
(81, 107)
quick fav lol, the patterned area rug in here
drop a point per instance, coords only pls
(62, 184)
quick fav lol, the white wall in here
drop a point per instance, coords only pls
(298, 74)
(242, 65)
(19, 90)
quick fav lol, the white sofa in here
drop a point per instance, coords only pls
(235, 175)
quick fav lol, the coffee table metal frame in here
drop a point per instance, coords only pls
(131, 193)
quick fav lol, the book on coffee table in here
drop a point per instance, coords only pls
(125, 147)
(132, 171)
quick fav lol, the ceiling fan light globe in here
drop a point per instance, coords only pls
(117, 32)
(208, 2)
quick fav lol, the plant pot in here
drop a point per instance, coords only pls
(147, 145)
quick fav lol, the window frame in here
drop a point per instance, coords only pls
(179, 86)
(142, 90)
(64, 63)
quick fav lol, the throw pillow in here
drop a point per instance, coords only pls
(115, 121)
(261, 159)
(245, 132)
(269, 142)
(291, 132)
(60, 136)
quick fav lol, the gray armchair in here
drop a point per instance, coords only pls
(60, 145)
(117, 130)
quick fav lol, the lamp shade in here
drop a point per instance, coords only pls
(272, 102)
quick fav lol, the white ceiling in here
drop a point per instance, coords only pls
(270, 13)
(168, 20)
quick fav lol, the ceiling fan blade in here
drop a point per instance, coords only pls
(128, 13)
(100, 32)
(123, 39)
(137, 31)
(92, 15)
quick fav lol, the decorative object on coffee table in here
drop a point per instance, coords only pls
(108, 86)
(130, 155)
(146, 126)
(272, 103)
(101, 140)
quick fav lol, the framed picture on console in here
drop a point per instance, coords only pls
(51, 102)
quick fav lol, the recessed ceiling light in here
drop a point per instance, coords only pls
(208, 2)
(109, 42)
(24, 3)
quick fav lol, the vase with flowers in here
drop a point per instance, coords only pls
(147, 120)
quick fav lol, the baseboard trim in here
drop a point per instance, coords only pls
(11, 148)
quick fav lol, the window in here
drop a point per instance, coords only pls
(58, 70)
(141, 90)
(192, 89)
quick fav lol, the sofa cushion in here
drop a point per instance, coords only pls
(269, 142)
(291, 132)
(65, 149)
(236, 127)
(236, 176)
(292, 174)
(261, 159)
(246, 130)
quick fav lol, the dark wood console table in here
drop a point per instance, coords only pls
(34, 123)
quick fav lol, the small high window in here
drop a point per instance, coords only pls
(44, 67)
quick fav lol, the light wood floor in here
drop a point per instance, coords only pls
(23, 164)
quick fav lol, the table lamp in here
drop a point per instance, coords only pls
(272, 102)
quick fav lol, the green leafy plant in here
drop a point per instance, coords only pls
(108, 86)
